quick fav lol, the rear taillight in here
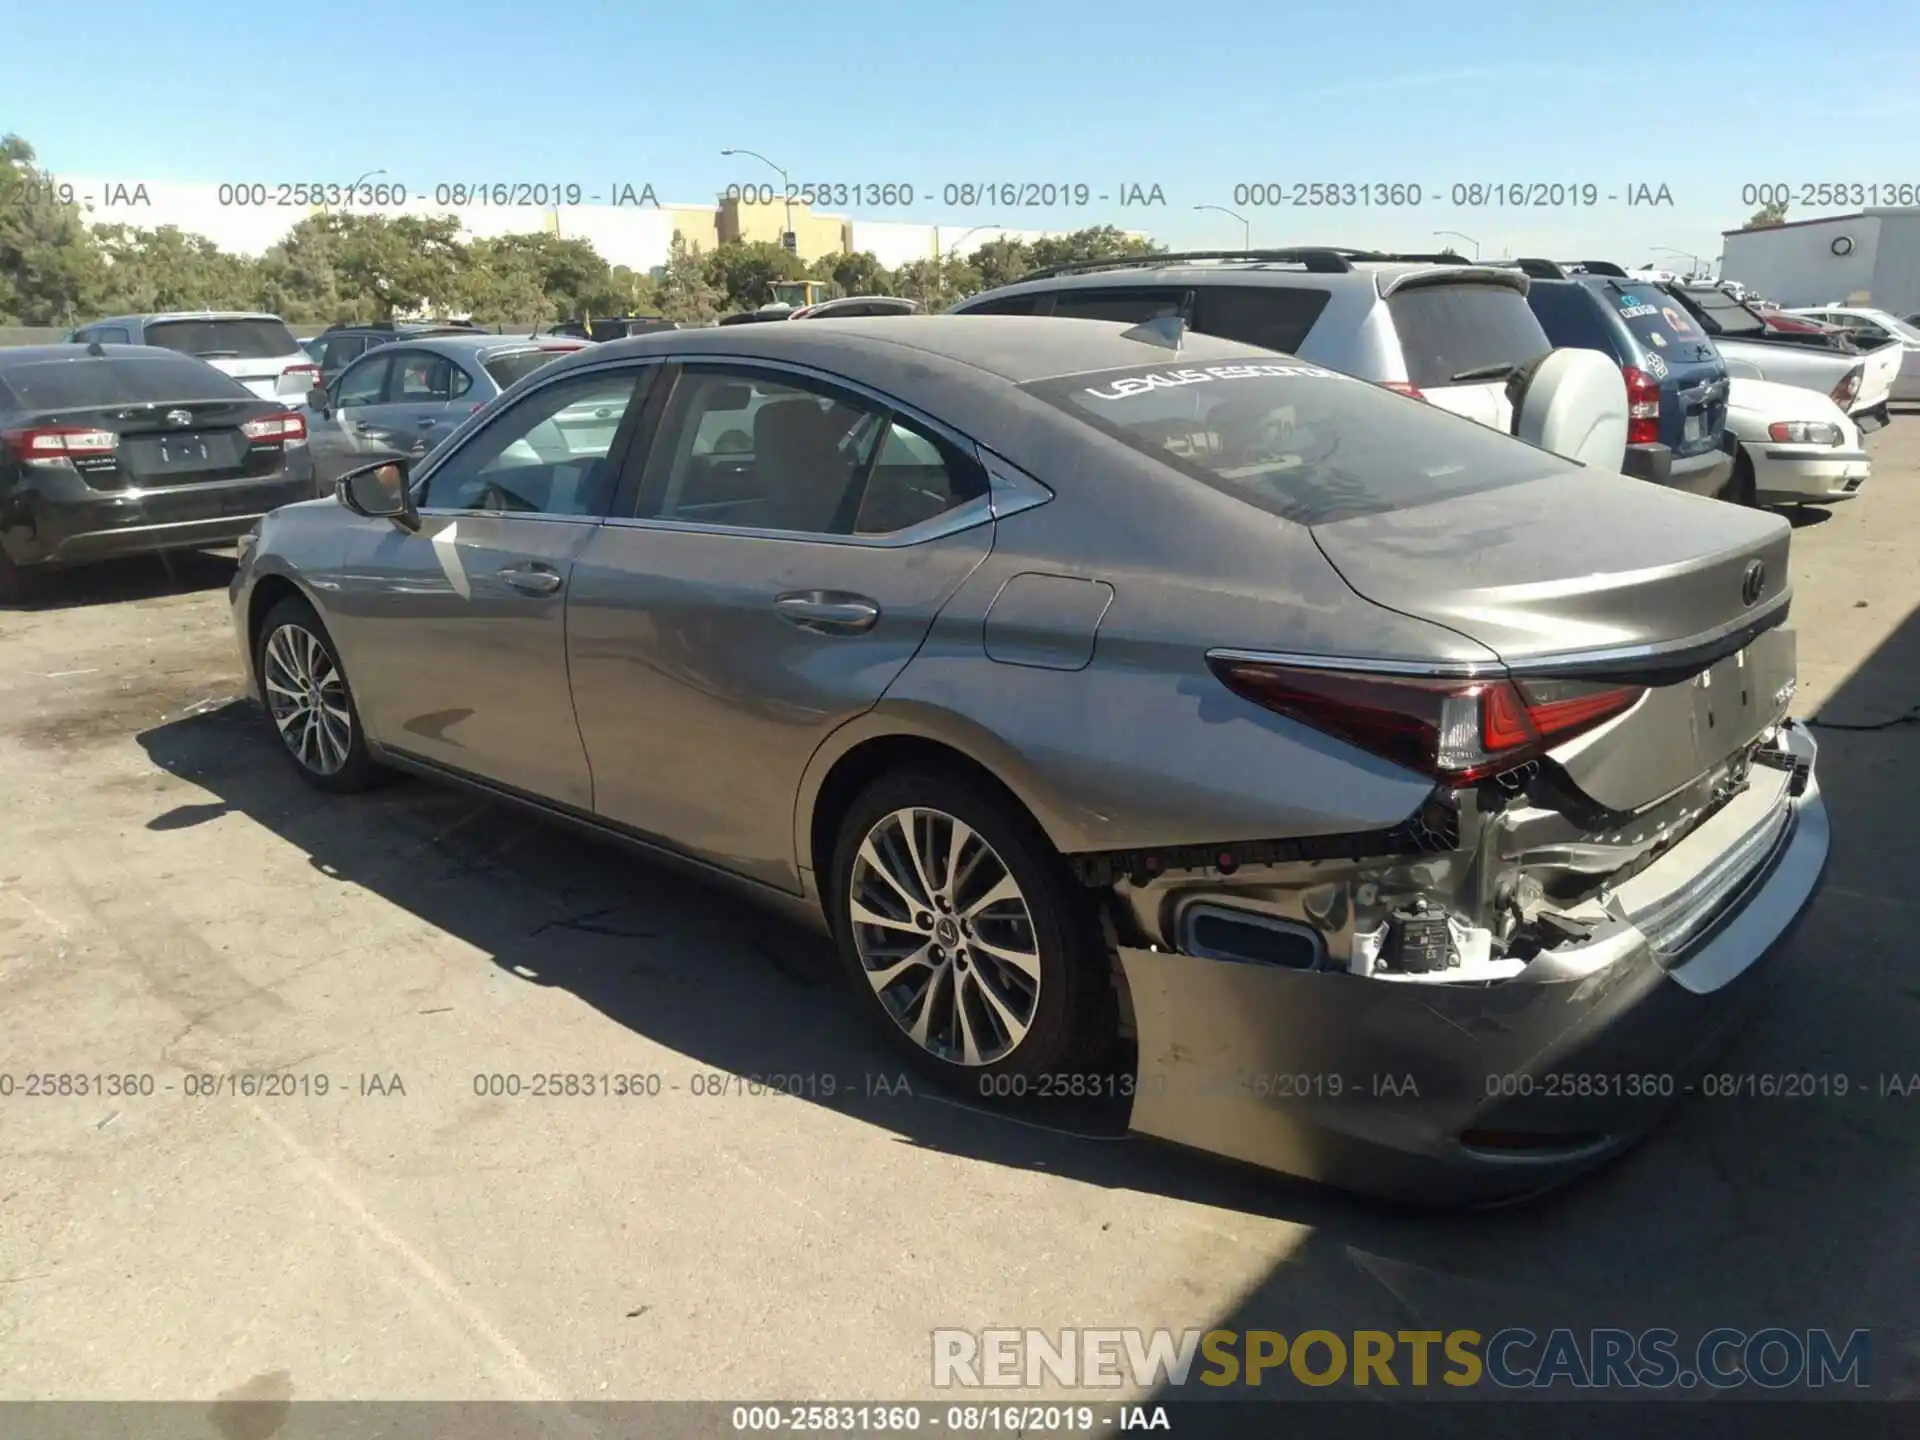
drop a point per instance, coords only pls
(1643, 406)
(1848, 390)
(58, 442)
(1405, 387)
(1457, 731)
(276, 429)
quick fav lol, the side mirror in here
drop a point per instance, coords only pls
(318, 399)
(380, 491)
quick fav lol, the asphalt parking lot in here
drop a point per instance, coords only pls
(174, 904)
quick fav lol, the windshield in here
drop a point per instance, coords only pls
(262, 339)
(513, 365)
(118, 380)
(1305, 443)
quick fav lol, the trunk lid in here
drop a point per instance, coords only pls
(156, 448)
(1569, 571)
(1647, 586)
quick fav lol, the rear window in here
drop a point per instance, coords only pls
(1274, 317)
(118, 380)
(507, 368)
(1721, 313)
(1446, 330)
(224, 339)
(1130, 307)
(1299, 441)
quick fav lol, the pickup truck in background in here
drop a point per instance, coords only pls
(1859, 382)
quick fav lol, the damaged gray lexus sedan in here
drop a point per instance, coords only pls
(1361, 792)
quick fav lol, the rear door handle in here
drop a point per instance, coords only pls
(828, 612)
(531, 579)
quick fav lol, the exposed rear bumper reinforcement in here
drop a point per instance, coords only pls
(1458, 1093)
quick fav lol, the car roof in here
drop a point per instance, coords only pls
(1377, 277)
(12, 355)
(156, 316)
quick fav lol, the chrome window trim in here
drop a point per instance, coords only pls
(1009, 488)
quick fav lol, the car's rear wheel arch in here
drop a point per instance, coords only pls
(866, 762)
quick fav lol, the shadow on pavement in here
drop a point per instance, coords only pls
(1749, 1212)
(137, 577)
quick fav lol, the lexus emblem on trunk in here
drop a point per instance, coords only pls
(179, 417)
(1753, 582)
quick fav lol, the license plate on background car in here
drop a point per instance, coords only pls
(1695, 427)
(183, 452)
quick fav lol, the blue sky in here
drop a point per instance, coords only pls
(1194, 97)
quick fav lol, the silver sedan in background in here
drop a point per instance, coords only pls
(405, 398)
(1359, 791)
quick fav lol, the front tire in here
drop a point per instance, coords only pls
(307, 697)
(967, 938)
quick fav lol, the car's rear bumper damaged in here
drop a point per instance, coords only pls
(1440, 1087)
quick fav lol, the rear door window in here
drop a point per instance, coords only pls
(1446, 330)
(224, 339)
(420, 377)
(511, 366)
(365, 383)
(1132, 307)
(1274, 317)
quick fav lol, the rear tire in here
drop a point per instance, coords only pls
(306, 695)
(999, 974)
(16, 581)
(1740, 489)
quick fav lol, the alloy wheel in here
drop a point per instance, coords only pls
(945, 936)
(307, 697)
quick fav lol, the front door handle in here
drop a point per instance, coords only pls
(428, 423)
(828, 612)
(531, 579)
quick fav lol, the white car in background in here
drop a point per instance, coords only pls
(1873, 328)
(1796, 446)
(255, 348)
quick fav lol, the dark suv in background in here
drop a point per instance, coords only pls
(1677, 384)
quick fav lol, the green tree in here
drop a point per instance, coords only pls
(1774, 212)
(51, 271)
(858, 273)
(383, 266)
(170, 269)
(682, 290)
(1001, 261)
(297, 279)
(1098, 242)
(744, 271)
(936, 283)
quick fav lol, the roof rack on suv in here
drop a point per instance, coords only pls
(1316, 258)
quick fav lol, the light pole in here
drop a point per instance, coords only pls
(1683, 254)
(1462, 235)
(356, 184)
(964, 233)
(1246, 228)
(786, 189)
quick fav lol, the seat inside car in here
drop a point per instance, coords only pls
(804, 474)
